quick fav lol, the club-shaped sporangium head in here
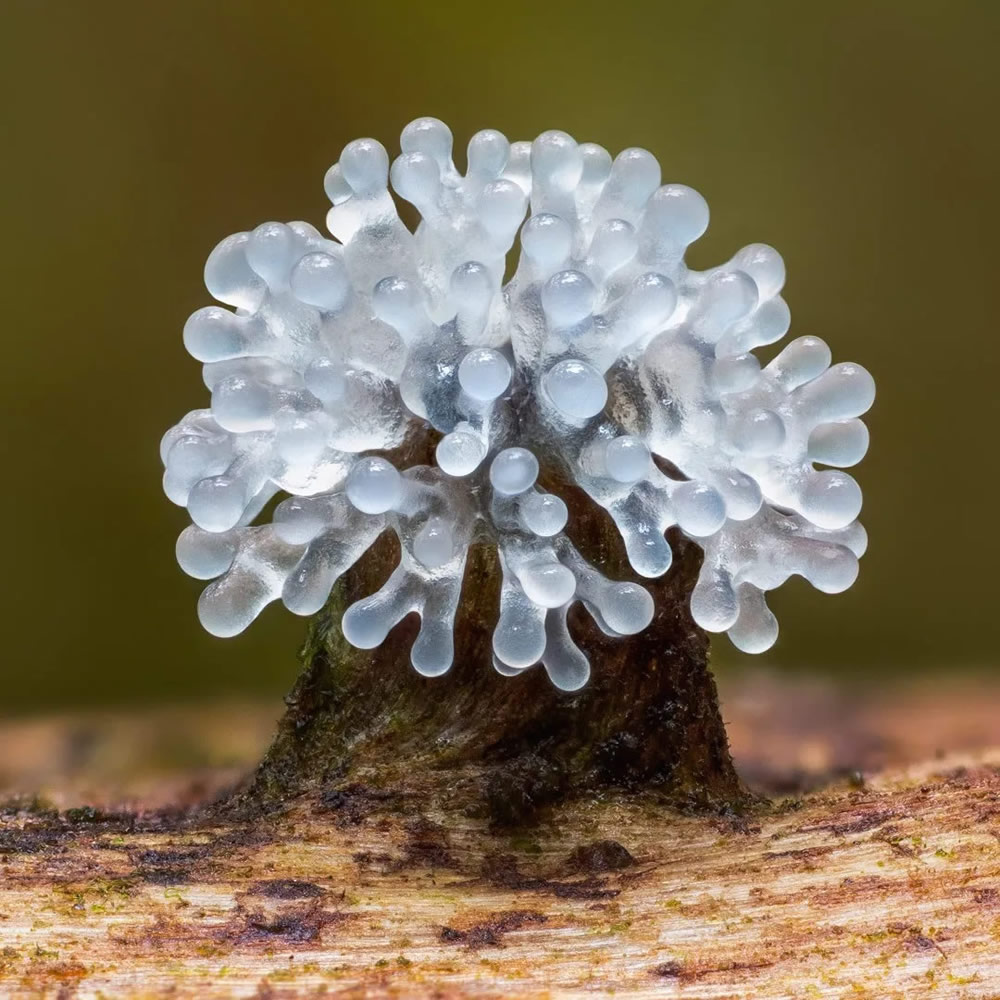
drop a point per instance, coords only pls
(615, 351)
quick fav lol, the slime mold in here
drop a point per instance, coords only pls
(604, 356)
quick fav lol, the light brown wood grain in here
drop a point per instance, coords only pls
(888, 888)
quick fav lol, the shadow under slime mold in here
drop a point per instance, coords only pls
(599, 416)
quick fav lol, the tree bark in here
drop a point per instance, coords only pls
(877, 875)
(505, 748)
(889, 890)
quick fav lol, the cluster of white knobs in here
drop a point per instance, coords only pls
(603, 355)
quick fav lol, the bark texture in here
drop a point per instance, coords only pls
(889, 892)
(881, 882)
(647, 721)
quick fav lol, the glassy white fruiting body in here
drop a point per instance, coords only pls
(614, 350)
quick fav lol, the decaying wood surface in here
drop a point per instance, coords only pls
(880, 884)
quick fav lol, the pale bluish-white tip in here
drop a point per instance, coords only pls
(729, 296)
(271, 252)
(487, 153)
(568, 298)
(365, 166)
(434, 544)
(213, 334)
(843, 443)
(429, 136)
(699, 508)
(460, 453)
(713, 602)
(217, 503)
(547, 239)
(242, 405)
(765, 267)
(627, 458)
(320, 280)
(556, 161)
(513, 471)
(576, 389)
(484, 374)
(374, 485)
(543, 514)
(397, 301)
(501, 207)
(205, 554)
(298, 520)
(627, 608)
(831, 499)
(417, 178)
(229, 276)
(680, 211)
(472, 286)
(548, 584)
(757, 432)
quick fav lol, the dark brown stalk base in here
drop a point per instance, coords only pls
(363, 724)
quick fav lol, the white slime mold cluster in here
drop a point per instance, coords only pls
(603, 351)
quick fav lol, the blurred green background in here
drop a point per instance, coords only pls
(859, 138)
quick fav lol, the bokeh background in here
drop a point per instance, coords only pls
(859, 138)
